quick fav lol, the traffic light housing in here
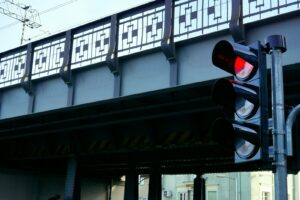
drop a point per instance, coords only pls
(244, 99)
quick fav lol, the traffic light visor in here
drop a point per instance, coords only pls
(246, 140)
(235, 59)
(235, 97)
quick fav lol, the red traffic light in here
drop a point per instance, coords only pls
(242, 68)
(236, 59)
(244, 99)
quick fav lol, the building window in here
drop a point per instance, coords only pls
(211, 195)
(143, 198)
(212, 192)
(266, 195)
(141, 180)
(182, 196)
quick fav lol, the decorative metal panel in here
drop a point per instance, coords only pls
(48, 58)
(12, 68)
(90, 46)
(254, 10)
(194, 18)
(141, 31)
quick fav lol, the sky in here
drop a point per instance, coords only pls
(56, 16)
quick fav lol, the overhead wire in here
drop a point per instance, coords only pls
(42, 12)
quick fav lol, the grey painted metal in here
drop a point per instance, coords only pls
(173, 73)
(26, 82)
(50, 94)
(140, 72)
(14, 102)
(167, 43)
(236, 25)
(31, 102)
(65, 70)
(117, 84)
(289, 127)
(195, 61)
(286, 27)
(112, 55)
(278, 120)
(93, 84)
(70, 100)
(145, 73)
(140, 29)
(26, 79)
(112, 60)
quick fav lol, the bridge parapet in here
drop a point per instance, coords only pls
(139, 29)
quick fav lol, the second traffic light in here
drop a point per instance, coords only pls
(244, 98)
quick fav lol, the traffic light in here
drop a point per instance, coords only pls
(244, 98)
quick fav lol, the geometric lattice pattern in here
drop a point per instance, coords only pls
(12, 68)
(141, 31)
(254, 10)
(90, 46)
(194, 18)
(48, 58)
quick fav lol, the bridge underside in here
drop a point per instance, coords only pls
(165, 130)
(147, 113)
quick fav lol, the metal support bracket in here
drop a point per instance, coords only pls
(26, 82)
(236, 25)
(275, 42)
(112, 55)
(26, 79)
(112, 60)
(289, 126)
(167, 43)
(65, 70)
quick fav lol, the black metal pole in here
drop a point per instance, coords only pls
(154, 186)
(131, 186)
(199, 188)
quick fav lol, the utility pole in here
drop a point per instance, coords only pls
(277, 46)
(21, 12)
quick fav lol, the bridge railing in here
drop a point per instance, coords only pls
(138, 29)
